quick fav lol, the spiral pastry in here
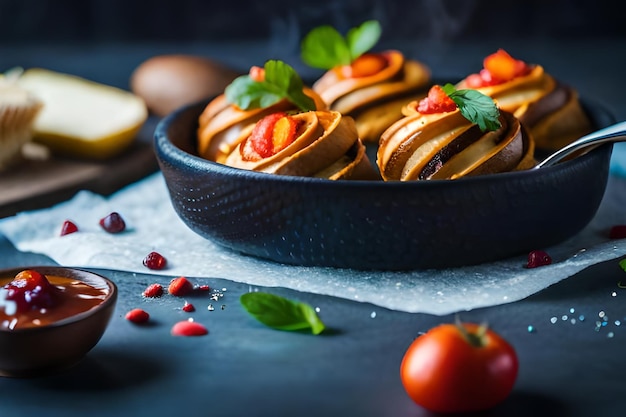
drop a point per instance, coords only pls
(448, 146)
(373, 89)
(221, 123)
(550, 110)
(322, 144)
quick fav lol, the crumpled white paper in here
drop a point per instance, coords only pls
(152, 225)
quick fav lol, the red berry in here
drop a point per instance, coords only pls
(155, 260)
(30, 289)
(113, 223)
(204, 288)
(188, 328)
(68, 227)
(180, 286)
(618, 232)
(538, 258)
(137, 315)
(153, 291)
(188, 307)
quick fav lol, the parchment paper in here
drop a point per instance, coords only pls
(152, 225)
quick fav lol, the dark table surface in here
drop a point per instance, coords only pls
(567, 368)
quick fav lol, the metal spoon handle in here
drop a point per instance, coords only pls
(613, 133)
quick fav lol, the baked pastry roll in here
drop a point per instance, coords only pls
(549, 109)
(222, 121)
(435, 140)
(373, 89)
(321, 144)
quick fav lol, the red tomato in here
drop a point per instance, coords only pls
(459, 368)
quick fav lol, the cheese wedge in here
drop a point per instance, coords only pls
(82, 118)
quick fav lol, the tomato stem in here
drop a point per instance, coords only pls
(476, 339)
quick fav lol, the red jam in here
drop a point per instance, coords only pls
(31, 299)
(437, 101)
(364, 66)
(498, 68)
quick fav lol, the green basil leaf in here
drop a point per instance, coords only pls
(363, 38)
(325, 48)
(281, 313)
(247, 94)
(281, 82)
(475, 106)
(286, 80)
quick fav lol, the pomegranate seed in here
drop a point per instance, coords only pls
(188, 328)
(155, 260)
(113, 223)
(204, 288)
(68, 227)
(137, 315)
(538, 258)
(618, 232)
(180, 286)
(188, 307)
(153, 291)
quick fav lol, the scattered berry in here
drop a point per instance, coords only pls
(538, 258)
(618, 232)
(188, 328)
(188, 307)
(155, 260)
(113, 223)
(180, 286)
(204, 288)
(153, 291)
(137, 315)
(68, 227)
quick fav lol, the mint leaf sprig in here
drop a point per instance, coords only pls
(622, 264)
(325, 48)
(475, 106)
(281, 82)
(281, 313)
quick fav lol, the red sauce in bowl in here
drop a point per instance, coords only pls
(31, 299)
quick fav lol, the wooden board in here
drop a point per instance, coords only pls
(37, 184)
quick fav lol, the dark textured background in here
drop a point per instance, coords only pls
(77, 35)
(202, 20)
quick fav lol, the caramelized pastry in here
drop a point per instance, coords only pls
(322, 144)
(548, 108)
(373, 90)
(369, 87)
(222, 121)
(435, 140)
